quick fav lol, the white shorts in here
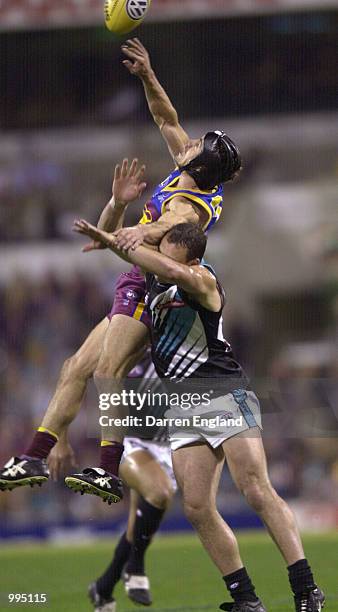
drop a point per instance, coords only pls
(159, 450)
(226, 417)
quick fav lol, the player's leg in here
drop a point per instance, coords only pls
(71, 386)
(247, 464)
(123, 346)
(198, 469)
(142, 472)
(152, 488)
(246, 459)
(101, 591)
(133, 503)
(127, 335)
(62, 410)
(151, 493)
(155, 487)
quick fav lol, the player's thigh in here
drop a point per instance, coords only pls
(123, 346)
(246, 459)
(141, 472)
(87, 357)
(197, 469)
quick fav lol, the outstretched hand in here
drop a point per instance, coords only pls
(123, 239)
(128, 183)
(81, 226)
(138, 61)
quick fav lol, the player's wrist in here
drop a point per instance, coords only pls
(63, 441)
(148, 76)
(116, 203)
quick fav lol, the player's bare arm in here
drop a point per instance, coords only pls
(194, 279)
(128, 185)
(178, 210)
(160, 106)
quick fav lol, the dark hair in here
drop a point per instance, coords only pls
(191, 236)
(218, 162)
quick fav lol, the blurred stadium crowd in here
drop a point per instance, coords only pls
(273, 81)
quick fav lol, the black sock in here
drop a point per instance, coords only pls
(240, 586)
(106, 582)
(300, 577)
(147, 522)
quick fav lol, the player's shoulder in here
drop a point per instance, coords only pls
(206, 273)
(210, 276)
(170, 180)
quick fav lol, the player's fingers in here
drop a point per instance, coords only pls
(136, 244)
(53, 469)
(117, 172)
(92, 246)
(126, 247)
(77, 227)
(132, 42)
(133, 168)
(141, 188)
(81, 223)
(128, 65)
(135, 56)
(130, 242)
(132, 53)
(139, 45)
(135, 43)
(124, 171)
(140, 172)
(82, 228)
(122, 240)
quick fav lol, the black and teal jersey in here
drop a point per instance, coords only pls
(210, 201)
(187, 339)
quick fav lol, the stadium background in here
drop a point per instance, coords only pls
(265, 71)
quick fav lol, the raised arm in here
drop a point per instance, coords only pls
(160, 106)
(128, 185)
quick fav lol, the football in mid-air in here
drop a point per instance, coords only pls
(123, 16)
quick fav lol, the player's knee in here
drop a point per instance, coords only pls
(258, 494)
(160, 497)
(74, 368)
(197, 512)
(109, 368)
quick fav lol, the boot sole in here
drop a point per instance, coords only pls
(77, 485)
(5, 485)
